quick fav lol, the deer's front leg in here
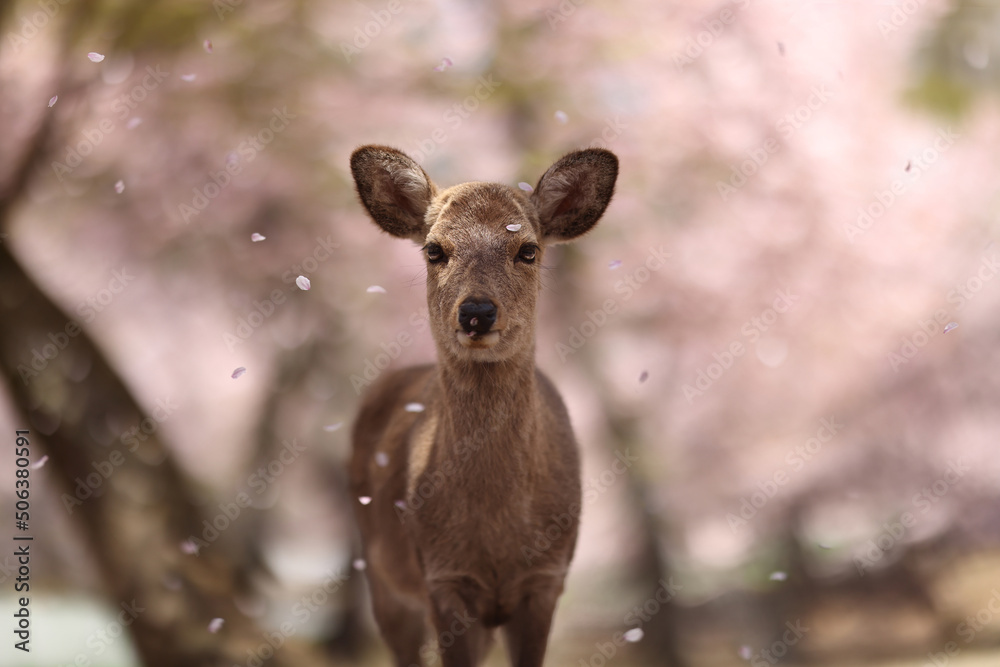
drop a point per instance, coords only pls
(461, 638)
(527, 632)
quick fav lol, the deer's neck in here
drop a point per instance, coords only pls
(488, 409)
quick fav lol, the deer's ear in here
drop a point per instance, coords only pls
(571, 196)
(394, 189)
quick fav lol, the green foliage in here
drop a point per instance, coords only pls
(959, 61)
(941, 94)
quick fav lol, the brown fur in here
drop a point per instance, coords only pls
(451, 535)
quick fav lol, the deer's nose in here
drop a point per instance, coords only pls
(477, 315)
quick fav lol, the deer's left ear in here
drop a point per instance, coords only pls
(571, 196)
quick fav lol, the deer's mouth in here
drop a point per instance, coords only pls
(475, 340)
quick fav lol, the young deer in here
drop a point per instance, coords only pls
(462, 485)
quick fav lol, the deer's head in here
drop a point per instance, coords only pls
(484, 242)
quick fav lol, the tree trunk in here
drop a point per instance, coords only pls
(137, 518)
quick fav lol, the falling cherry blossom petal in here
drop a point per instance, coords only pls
(614, 264)
(376, 289)
(95, 57)
(359, 564)
(513, 228)
(39, 463)
(53, 100)
(303, 283)
(188, 77)
(400, 504)
(643, 376)
(634, 635)
(255, 237)
(238, 372)
(562, 117)
(120, 186)
(364, 500)
(445, 64)
(215, 625)
(746, 652)
(207, 44)
(189, 547)
(133, 123)
(951, 325)
(330, 428)
(414, 407)
(778, 576)
(381, 459)
(525, 186)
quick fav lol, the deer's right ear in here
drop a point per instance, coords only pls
(394, 189)
(572, 195)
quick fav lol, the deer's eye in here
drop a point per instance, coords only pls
(527, 253)
(435, 253)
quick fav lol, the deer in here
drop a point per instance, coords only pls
(467, 471)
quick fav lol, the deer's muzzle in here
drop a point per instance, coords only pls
(477, 315)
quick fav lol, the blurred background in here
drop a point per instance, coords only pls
(779, 348)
